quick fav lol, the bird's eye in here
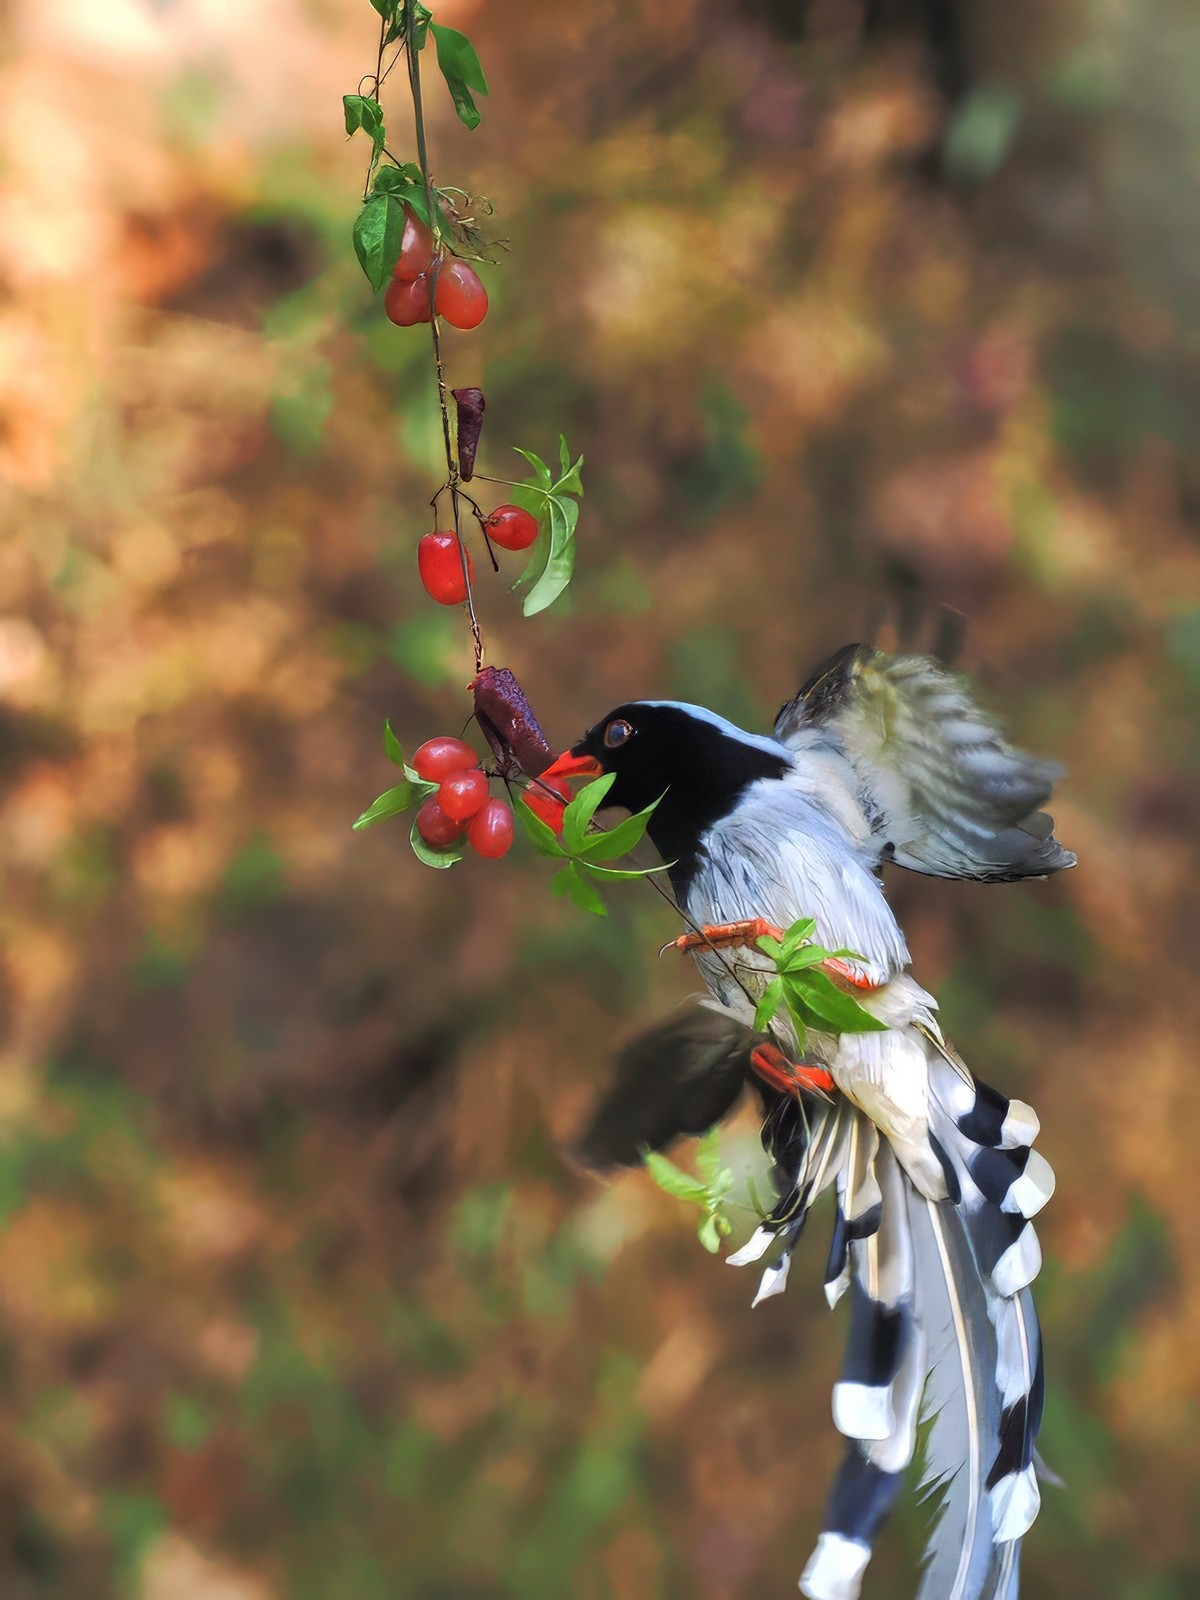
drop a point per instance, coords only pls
(616, 733)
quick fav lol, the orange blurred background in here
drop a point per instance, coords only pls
(858, 310)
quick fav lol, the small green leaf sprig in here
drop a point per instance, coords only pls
(582, 851)
(709, 1191)
(555, 503)
(810, 995)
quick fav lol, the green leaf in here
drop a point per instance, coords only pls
(772, 998)
(570, 482)
(551, 560)
(461, 69)
(431, 857)
(835, 1011)
(619, 840)
(539, 551)
(567, 881)
(770, 947)
(799, 933)
(560, 558)
(389, 804)
(378, 231)
(709, 1232)
(582, 809)
(810, 955)
(386, 9)
(391, 746)
(673, 1181)
(544, 476)
(352, 106)
(408, 186)
(545, 840)
(619, 874)
(396, 31)
(361, 111)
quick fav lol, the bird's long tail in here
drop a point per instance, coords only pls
(942, 1327)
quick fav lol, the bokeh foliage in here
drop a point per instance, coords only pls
(858, 311)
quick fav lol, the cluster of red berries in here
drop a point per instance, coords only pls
(455, 292)
(446, 567)
(461, 804)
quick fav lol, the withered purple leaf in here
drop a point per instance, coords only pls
(471, 405)
(508, 723)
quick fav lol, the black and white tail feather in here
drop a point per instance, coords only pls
(942, 1328)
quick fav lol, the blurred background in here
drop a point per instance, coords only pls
(858, 309)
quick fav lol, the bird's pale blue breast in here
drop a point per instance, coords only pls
(781, 856)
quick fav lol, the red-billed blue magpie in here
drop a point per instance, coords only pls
(878, 759)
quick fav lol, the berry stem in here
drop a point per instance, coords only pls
(481, 518)
(414, 83)
(379, 77)
(511, 483)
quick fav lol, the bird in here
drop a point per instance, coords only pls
(878, 759)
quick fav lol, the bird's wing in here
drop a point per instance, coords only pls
(946, 793)
(678, 1077)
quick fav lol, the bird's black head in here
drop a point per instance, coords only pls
(697, 762)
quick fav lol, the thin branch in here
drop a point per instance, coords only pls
(452, 477)
(375, 97)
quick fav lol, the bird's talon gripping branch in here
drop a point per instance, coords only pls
(789, 1077)
(722, 935)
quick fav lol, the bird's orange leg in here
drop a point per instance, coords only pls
(789, 1077)
(721, 935)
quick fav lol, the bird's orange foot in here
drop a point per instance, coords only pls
(721, 935)
(845, 973)
(789, 1077)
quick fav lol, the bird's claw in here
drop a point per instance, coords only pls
(789, 1077)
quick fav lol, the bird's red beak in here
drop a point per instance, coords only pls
(569, 766)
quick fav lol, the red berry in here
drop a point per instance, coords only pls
(461, 794)
(491, 832)
(439, 561)
(548, 807)
(460, 297)
(512, 528)
(407, 303)
(416, 249)
(435, 827)
(437, 758)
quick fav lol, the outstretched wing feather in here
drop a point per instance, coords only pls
(947, 794)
